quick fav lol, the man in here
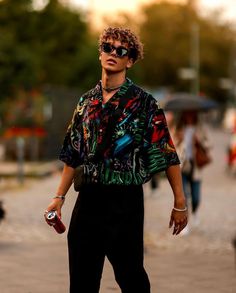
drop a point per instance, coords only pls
(107, 219)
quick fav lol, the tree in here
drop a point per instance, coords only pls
(18, 64)
(60, 39)
(51, 46)
(166, 32)
(165, 29)
(41, 47)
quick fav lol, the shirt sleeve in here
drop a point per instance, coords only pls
(158, 144)
(71, 150)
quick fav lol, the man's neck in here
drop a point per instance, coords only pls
(112, 80)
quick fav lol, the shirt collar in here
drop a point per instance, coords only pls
(98, 88)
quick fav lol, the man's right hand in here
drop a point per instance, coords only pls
(55, 205)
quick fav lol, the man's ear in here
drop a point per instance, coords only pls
(130, 63)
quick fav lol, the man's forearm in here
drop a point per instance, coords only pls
(173, 174)
(66, 180)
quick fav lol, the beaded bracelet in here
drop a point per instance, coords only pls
(62, 197)
(180, 210)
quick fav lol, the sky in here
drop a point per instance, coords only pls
(101, 7)
(106, 6)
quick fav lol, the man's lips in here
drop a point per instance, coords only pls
(110, 60)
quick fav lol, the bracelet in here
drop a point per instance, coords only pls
(180, 210)
(62, 197)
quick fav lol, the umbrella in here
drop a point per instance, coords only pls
(185, 102)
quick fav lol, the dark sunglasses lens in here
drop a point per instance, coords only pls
(107, 48)
(121, 51)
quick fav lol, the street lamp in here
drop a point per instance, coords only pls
(194, 58)
(191, 73)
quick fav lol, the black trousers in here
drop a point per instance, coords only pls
(107, 221)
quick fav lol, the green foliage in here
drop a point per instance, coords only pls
(165, 29)
(166, 32)
(55, 46)
(17, 62)
(49, 46)
(216, 43)
(62, 34)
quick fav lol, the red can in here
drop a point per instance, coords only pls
(53, 220)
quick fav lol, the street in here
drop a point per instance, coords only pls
(34, 257)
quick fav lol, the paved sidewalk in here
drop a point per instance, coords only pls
(33, 258)
(30, 169)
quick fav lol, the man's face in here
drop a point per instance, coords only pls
(112, 60)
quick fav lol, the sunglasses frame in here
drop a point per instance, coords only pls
(113, 48)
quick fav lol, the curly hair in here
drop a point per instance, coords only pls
(125, 36)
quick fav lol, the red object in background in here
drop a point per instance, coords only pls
(24, 132)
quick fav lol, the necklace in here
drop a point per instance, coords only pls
(111, 89)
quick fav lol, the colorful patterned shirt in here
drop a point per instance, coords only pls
(140, 144)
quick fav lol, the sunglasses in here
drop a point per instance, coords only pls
(120, 50)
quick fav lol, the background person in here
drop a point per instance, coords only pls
(188, 132)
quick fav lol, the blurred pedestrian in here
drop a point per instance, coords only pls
(171, 123)
(119, 136)
(234, 247)
(189, 131)
(2, 212)
(231, 150)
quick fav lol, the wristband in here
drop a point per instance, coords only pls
(180, 210)
(62, 197)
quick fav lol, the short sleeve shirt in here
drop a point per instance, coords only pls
(140, 145)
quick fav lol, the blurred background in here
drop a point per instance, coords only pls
(48, 58)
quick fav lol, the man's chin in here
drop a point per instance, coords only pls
(112, 70)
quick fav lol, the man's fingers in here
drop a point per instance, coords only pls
(175, 230)
(179, 228)
(179, 221)
(59, 213)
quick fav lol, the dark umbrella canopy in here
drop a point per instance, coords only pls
(185, 102)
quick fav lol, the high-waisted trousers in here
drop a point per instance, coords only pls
(107, 220)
